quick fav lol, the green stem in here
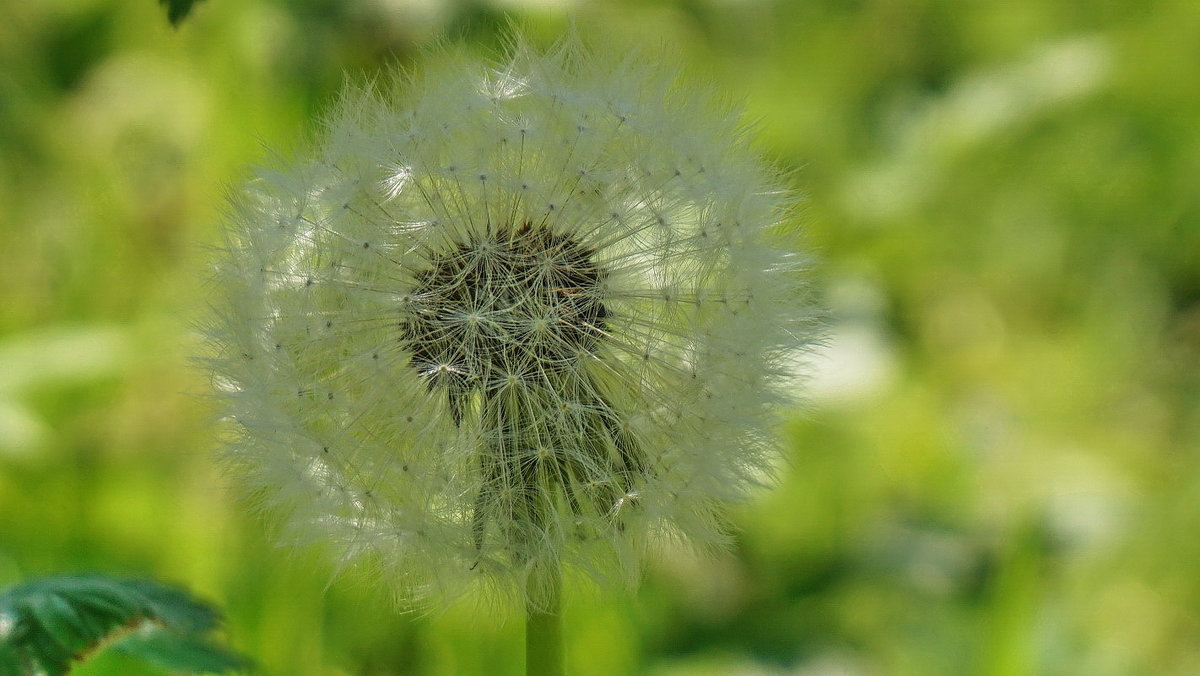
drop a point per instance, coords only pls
(543, 623)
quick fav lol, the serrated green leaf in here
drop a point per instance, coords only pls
(44, 655)
(10, 662)
(175, 608)
(48, 642)
(177, 10)
(179, 652)
(51, 622)
(58, 618)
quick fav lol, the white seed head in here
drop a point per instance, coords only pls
(510, 314)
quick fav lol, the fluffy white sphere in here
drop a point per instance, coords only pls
(508, 314)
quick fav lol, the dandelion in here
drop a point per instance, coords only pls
(517, 317)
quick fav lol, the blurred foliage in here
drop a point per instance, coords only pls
(48, 623)
(998, 472)
(177, 10)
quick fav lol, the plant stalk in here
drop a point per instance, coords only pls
(544, 655)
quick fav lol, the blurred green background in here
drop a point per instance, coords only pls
(998, 470)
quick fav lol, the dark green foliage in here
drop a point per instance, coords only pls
(177, 10)
(48, 623)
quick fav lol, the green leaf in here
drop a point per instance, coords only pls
(177, 10)
(47, 624)
(10, 662)
(178, 652)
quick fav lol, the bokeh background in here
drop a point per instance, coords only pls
(998, 469)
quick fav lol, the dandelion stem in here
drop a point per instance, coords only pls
(543, 623)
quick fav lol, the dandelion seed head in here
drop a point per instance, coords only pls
(510, 313)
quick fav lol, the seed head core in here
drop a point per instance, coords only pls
(503, 308)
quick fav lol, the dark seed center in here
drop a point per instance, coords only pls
(503, 308)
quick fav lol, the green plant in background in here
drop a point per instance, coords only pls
(177, 10)
(49, 623)
(520, 317)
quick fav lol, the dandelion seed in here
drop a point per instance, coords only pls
(526, 292)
